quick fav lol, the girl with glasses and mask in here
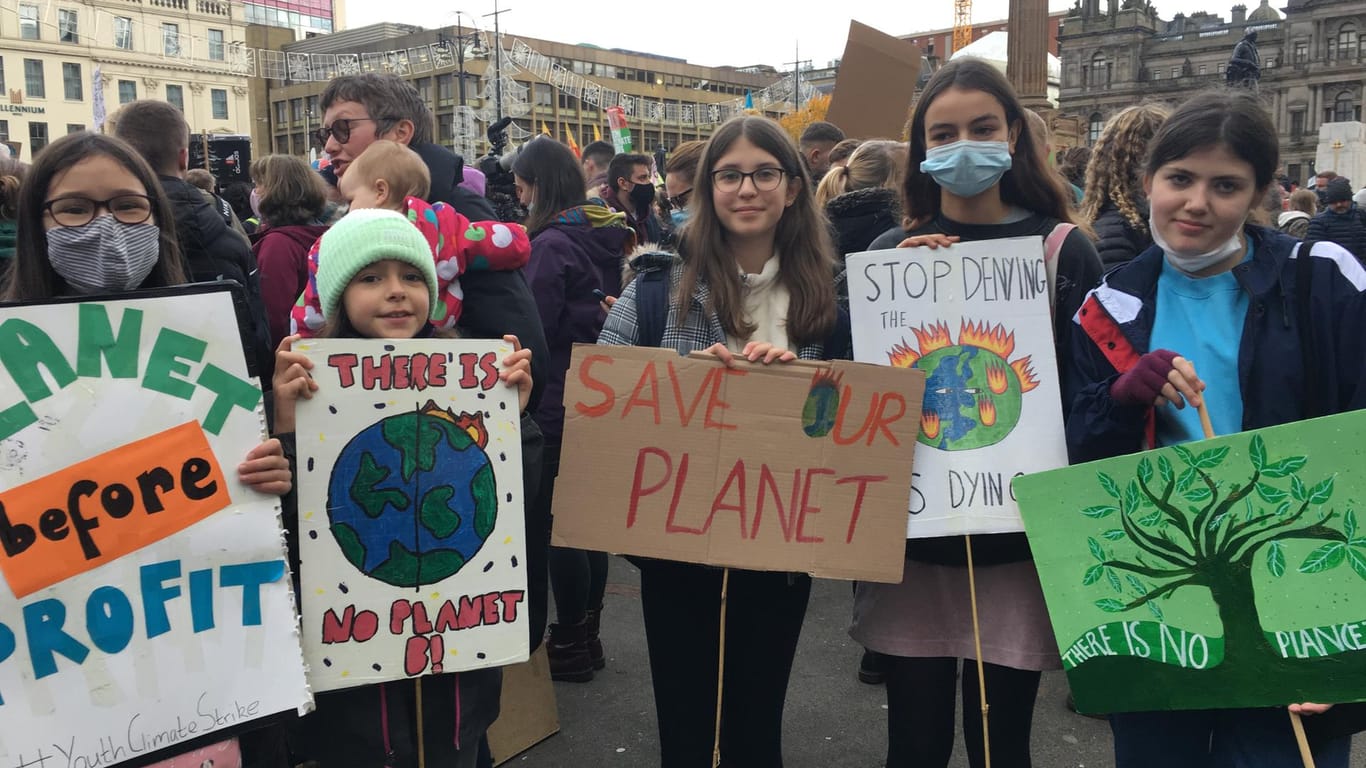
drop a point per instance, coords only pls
(974, 174)
(754, 283)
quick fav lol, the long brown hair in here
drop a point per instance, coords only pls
(802, 239)
(1029, 184)
(291, 192)
(1115, 174)
(32, 277)
(557, 176)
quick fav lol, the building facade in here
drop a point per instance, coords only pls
(60, 60)
(306, 18)
(938, 43)
(1313, 64)
(294, 112)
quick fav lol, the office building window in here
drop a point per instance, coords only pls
(170, 38)
(28, 22)
(71, 81)
(279, 113)
(1301, 51)
(296, 110)
(2, 74)
(128, 91)
(66, 26)
(1296, 125)
(34, 85)
(219, 98)
(175, 95)
(74, 127)
(37, 137)
(123, 33)
(445, 128)
(4, 130)
(1094, 127)
(215, 45)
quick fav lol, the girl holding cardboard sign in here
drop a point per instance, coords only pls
(755, 283)
(1242, 305)
(975, 173)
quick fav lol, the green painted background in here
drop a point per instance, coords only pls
(1288, 557)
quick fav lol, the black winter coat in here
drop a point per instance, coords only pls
(858, 218)
(214, 251)
(1117, 242)
(1346, 229)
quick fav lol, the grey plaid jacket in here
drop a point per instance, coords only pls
(699, 330)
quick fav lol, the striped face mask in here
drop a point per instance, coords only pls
(104, 256)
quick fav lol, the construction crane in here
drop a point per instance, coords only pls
(962, 24)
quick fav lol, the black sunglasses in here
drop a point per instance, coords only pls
(341, 128)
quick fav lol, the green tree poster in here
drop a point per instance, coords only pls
(1225, 573)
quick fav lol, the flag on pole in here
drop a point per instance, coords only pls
(597, 133)
(97, 94)
(749, 100)
(573, 145)
(546, 129)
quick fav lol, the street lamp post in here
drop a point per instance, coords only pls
(497, 58)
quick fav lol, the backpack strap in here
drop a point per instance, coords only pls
(652, 307)
(1051, 246)
(1304, 277)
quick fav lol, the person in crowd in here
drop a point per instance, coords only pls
(863, 199)
(596, 157)
(577, 250)
(238, 197)
(1360, 198)
(1246, 308)
(203, 179)
(630, 190)
(818, 140)
(680, 172)
(839, 155)
(212, 249)
(292, 204)
(1072, 164)
(389, 175)
(1303, 207)
(377, 279)
(1114, 202)
(1340, 221)
(207, 184)
(11, 179)
(753, 283)
(975, 173)
(357, 110)
(1321, 181)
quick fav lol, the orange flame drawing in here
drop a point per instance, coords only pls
(471, 423)
(934, 337)
(986, 408)
(929, 424)
(1025, 371)
(827, 377)
(997, 381)
(991, 338)
(902, 356)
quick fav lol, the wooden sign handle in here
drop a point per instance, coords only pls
(1306, 756)
(720, 671)
(981, 673)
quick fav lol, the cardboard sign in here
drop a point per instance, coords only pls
(975, 318)
(793, 467)
(876, 81)
(411, 533)
(145, 601)
(1225, 573)
(526, 711)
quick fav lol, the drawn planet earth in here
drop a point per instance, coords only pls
(412, 498)
(972, 398)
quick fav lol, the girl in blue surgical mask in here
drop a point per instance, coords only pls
(976, 172)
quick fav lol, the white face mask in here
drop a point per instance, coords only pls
(1194, 263)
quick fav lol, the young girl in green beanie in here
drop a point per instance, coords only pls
(377, 279)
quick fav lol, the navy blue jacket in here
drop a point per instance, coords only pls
(1116, 322)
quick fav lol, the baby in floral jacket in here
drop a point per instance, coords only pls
(390, 175)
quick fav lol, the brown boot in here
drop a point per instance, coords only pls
(593, 619)
(567, 649)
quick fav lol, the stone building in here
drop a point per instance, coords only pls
(182, 51)
(1313, 64)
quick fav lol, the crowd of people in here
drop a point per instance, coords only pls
(1175, 233)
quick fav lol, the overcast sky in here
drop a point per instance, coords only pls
(715, 32)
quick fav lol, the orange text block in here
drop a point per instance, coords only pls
(107, 506)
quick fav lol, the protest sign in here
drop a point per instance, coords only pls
(146, 605)
(787, 467)
(975, 317)
(1224, 573)
(877, 78)
(411, 533)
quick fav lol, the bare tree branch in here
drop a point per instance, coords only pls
(1237, 547)
(1163, 549)
(1152, 573)
(1225, 506)
(1316, 531)
(1164, 590)
(1175, 514)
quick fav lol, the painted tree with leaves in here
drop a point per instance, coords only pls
(1181, 527)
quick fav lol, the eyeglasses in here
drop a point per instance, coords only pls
(79, 211)
(730, 180)
(341, 128)
(680, 200)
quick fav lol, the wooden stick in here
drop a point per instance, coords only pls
(977, 640)
(1305, 755)
(1204, 419)
(421, 742)
(720, 670)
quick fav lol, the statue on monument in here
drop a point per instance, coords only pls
(1245, 68)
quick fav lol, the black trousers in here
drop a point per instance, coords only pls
(920, 698)
(682, 626)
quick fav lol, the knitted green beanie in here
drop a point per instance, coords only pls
(360, 239)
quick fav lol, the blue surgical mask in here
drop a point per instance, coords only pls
(679, 216)
(967, 168)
